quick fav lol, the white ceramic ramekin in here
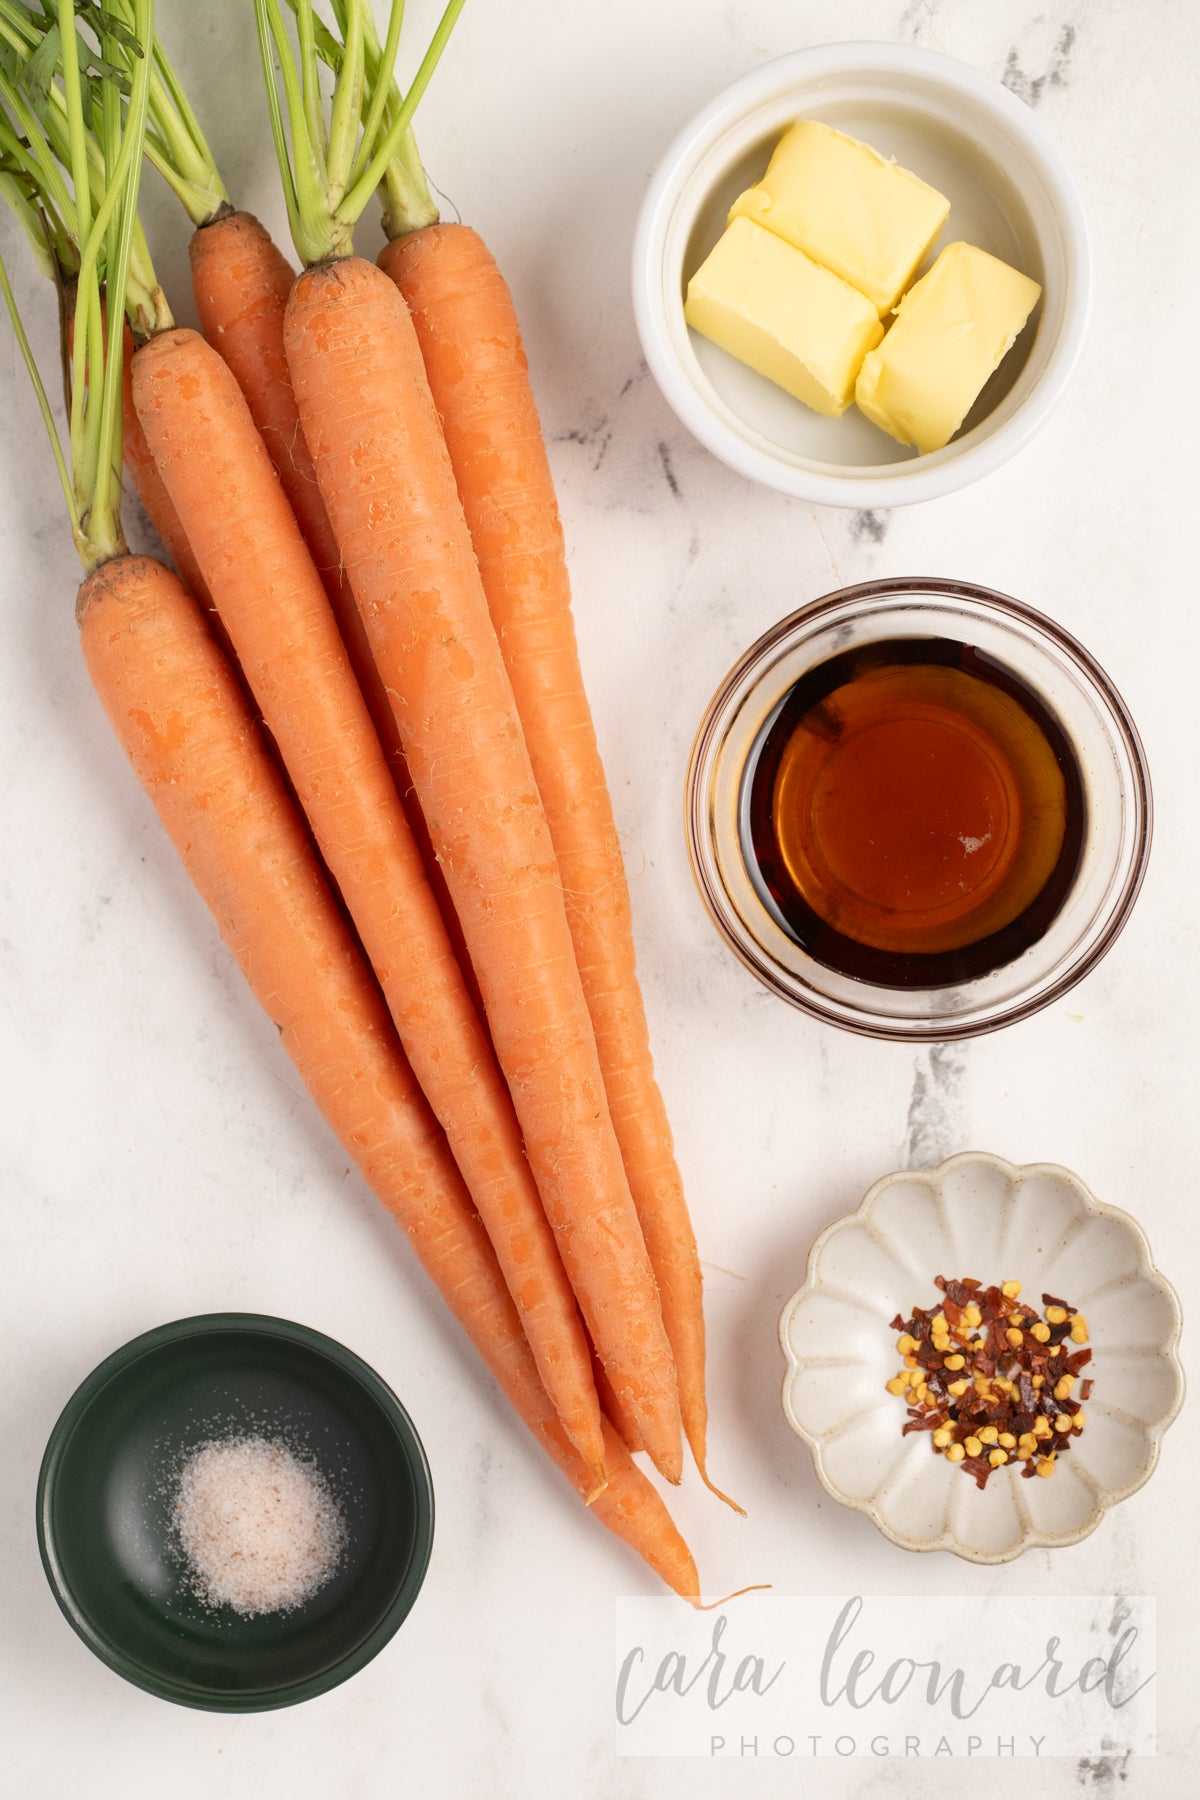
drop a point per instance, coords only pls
(1010, 192)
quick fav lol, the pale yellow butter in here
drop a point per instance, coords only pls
(951, 331)
(769, 305)
(843, 204)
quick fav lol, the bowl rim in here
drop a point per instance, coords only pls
(1141, 801)
(1089, 1204)
(208, 1325)
(922, 478)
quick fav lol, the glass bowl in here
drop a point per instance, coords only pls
(1070, 686)
(105, 1494)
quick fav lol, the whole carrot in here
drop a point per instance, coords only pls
(371, 425)
(471, 345)
(476, 365)
(381, 461)
(271, 600)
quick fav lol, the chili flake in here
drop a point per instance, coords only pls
(991, 1379)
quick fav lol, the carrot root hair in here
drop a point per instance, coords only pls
(756, 1587)
(714, 1489)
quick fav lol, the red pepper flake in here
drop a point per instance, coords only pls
(1004, 1389)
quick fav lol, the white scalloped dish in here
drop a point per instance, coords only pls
(978, 1216)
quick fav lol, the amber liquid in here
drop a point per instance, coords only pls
(916, 814)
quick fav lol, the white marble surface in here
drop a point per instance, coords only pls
(158, 1158)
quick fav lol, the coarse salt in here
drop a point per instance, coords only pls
(257, 1524)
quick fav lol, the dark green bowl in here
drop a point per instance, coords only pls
(104, 1497)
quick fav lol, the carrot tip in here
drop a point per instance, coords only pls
(591, 1499)
(670, 1468)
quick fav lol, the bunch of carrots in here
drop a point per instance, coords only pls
(361, 684)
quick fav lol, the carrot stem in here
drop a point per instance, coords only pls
(175, 143)
(322, 210)
(346, 111)
(35, 156)
(101, 213)
(379, 69)
(310, 89)
(351, 208)
(404, 191)
(316, 233)
(39, 388)
(39, 144)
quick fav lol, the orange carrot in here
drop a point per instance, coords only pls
(471, 345)
(631, 1508)
(151, 490)
(373, 431)
(614, 1411)
(241, 281)
(188, 731)
(271, 601)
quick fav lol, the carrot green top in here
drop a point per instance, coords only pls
(331, 167)
(75, 80)
(175, 143)
(36, 144)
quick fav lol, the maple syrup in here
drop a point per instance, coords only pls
(916, 813)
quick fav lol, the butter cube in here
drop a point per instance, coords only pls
(951, 331)
(843, 204)
(766, 303)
